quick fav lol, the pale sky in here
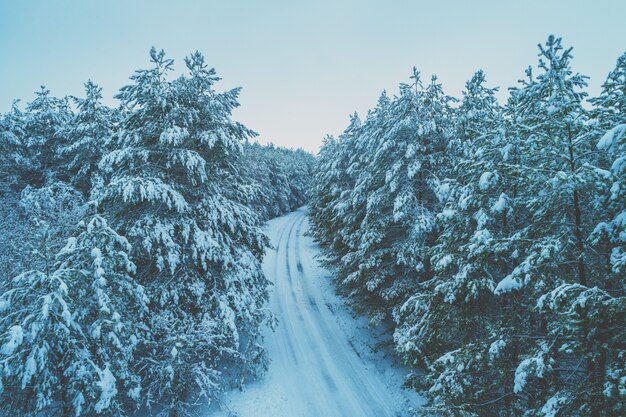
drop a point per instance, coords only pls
(304, 65)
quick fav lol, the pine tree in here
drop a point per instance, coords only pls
(84, 139)
(610, 113)
(608, 310)
(447, 325)
(557, 266)
(278, 179)
(332, 182)
(174, 191)
(43, 119)
(70, 330)
(13, 161)
(398, 225)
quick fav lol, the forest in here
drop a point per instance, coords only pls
(489, 239)
(131, 246)
(492, 237)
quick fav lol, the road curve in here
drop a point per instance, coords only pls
(315, 369)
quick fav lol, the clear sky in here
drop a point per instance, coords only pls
(304, 65)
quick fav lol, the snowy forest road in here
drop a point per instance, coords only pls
(320, 365)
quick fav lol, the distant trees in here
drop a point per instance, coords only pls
(134, 245)
(492, 235)
(279, 178)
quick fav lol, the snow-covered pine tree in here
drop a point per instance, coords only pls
(403, 168)
(279, 178)
(43, 119)
(174, 191)
(346, 210)
(609, 236)
(37, 338)
(322, 189)
(382, 266)
(610, 113)
(331, 183)
(521, 315)
(29, 172)
(299, 165)
(13, 161)
(449, 324)
(110, 307)
(261, 192)
(335, 212)
(12, 165)
(59, 206)
(69, 330)
(84, 139)
(558, 193)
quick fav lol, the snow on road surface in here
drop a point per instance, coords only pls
(322, 361)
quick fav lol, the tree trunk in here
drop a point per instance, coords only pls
(578, 233)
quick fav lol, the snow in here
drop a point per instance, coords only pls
(29, 370)
(45, 308)
(485, 180)
(16, 337)
(173, 136)
(481, 218)
(79, 401)
(107, 390)
(508, 284)
(495, 349)
(521, 375)
(501, 205)
(551, 407)
(611, 137)
(533, 366)
(322, 359)
(96, 254)
(442, 191)
(444, 262)
(134, 392)
(448, 213)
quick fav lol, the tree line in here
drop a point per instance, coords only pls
(492, 237)
(131, 246)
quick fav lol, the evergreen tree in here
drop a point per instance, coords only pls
(559, 195)
(610, 113)
(332, 183)
(84, 139)
(70, 330)
(175, 193)
(447, 325)
(13, 159)
(278, 178)
(43, 119)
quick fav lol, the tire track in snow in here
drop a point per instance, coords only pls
(280, 311)
(337, 386)
(316, 369)
(334, 342)
(327, 382)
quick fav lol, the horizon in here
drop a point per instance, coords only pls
(303, 68)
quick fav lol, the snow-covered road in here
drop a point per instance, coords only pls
(321, 360)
